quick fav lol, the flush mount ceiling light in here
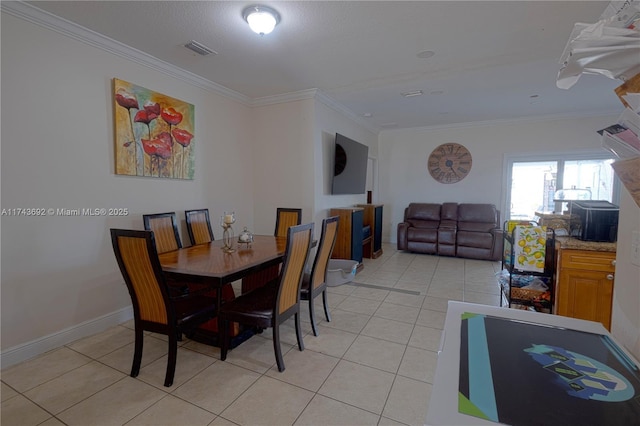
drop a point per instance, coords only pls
(261, 19)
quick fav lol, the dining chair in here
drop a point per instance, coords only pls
(286, 217)
(199, 226)
(278, 300)
(199, 230)
(167, 238)
(155, 309)
(165, 229)
(314, 283)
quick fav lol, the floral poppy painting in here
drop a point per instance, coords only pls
(154, 133)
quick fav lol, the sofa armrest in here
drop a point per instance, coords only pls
(498, 244)
(403, 227)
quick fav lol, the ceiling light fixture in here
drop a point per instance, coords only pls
(261, 19)
(412, 94)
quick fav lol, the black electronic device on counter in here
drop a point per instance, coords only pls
(598, 220)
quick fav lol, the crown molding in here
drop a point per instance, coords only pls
(62, 26)
(528, 119)
(324, 99)
(298, 95)
(319, 96)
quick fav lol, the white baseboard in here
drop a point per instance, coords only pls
(44, 344)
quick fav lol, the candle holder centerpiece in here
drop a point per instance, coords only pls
(226, 221)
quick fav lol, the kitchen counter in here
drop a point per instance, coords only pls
(576, 244)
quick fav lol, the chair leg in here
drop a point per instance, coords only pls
(171, 361)
(299, 331)
(326, 305)
(223, 339)
(312, 315)
(276, 347)
(137, 353)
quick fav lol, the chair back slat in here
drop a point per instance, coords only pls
(297, 253)
(327, 242)
(199, 226)
(133, 254)
(165, 229)
(286, 218)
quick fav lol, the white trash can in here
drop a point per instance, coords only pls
(340, 271)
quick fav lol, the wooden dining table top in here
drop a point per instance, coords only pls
(209, 261)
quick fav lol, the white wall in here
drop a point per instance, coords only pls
(57, 151)
(282, 161)
(625, 320)
(403, 160)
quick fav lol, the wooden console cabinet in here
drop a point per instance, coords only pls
(349, 239)
(373, 218)
(585, 284)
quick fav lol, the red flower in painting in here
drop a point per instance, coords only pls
(159, 147)
(152, 108)
(165, 137)
(171, 116)
(144, 116)
(182, 136)
(126, 99)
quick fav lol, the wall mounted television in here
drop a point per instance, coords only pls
(349, 166)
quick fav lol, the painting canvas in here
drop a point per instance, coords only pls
(154, 133)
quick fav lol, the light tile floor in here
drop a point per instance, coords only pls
(373, 364)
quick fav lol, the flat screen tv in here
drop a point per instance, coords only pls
(349, 167)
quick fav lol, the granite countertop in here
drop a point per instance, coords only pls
(576, 244)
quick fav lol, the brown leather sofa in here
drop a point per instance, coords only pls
(451, 229)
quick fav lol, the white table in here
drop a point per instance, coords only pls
(443, 407)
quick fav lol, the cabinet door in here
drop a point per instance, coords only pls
(586, 295)
(357, 222)
(377, 232)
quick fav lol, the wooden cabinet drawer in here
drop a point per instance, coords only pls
(588, 260)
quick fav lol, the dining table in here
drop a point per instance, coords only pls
(216, 267)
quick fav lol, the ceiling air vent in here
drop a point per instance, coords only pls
(200, 49)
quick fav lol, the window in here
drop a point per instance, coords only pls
(534, 184)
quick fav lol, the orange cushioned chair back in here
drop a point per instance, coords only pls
(323, 255)
(142, 280)
(164, 228)
(199, 227)
(298, 244)
(285, 219)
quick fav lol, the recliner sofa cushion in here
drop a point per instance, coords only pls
(423, 211)
(423, 235)
(475, 239)
(424, 224)
(484, 213)
(449, 212)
